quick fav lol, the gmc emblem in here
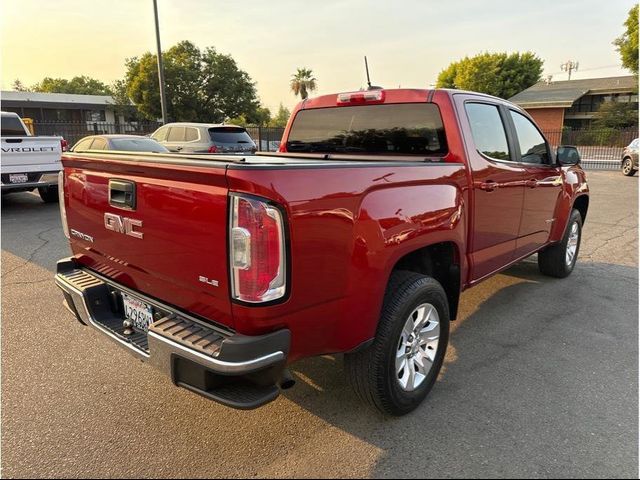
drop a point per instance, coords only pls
(124, 225)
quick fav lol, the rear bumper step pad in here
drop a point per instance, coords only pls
(235, 370)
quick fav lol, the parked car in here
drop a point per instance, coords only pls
(357, 238)
(204, 138)
(29, 162)
(630, 159)
(127, 143)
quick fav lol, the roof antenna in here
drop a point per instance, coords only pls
(369, 86)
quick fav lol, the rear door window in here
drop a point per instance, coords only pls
(176, 134)
(12, 127)
(489, 134)
(99, 144)
(225, 135)
(191, 134)
(392, 129)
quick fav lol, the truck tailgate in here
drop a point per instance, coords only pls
(176, 248)
(30, 154)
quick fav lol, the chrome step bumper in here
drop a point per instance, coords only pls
(232, 369)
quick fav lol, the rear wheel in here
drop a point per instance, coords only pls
(559, 259)
(627, 167)
(48, 194)
(398, 370)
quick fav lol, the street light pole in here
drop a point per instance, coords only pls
(163, 98)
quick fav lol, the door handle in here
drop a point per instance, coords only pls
(532, 183)
(178, 148)
(488, 186)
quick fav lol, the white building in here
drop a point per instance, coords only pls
(61, 107)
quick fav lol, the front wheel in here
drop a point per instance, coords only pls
(48, 194)
(627, 167)
(559, 259)
(398, 370)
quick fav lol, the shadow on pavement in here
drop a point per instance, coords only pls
(530, 367)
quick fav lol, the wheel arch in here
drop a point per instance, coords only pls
(440, 261)
(581, 203)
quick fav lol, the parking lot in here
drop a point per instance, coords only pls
(541, 380)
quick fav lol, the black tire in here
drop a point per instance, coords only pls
(372, 371)
(48, 194)
(552, 260)
(627, 167)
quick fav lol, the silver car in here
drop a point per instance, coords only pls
(630, 159)
(204, 138)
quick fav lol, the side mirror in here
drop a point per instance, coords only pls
(567, 155)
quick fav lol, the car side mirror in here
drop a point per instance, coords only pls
(567, 155)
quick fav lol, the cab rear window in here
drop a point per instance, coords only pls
(12, 127)
(392, 129)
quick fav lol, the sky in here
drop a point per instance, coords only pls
(407, 42)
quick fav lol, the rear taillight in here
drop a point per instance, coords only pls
(64, 145)
(63, 209)
(257, 243)
(367, 96)
(213, 149)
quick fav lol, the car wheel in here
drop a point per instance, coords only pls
(48, 194)
(559, 259)
(397, 371)
(627, 167)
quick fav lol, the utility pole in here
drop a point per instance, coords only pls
(163, 98)
(569, 66)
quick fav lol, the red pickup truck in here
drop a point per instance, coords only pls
(356, 238)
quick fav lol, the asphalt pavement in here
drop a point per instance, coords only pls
(541, 380)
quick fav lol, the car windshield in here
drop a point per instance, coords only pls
(12, 127)
(137, 145)
(393, 129)
(233, 135)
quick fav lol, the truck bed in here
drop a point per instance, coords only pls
(182, 201)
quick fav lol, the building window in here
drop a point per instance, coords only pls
(94, 116)
(57, 115)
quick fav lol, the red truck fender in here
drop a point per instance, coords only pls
(396, 223)
(575, 194)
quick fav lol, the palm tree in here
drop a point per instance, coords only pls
(303, 82)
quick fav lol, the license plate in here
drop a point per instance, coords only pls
(18, 178)
(139, 312)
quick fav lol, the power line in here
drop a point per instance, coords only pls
(590, 69)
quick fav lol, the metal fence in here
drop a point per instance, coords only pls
(267, 138)
(600, 149)
(74, 131)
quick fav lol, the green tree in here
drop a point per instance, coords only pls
(201, 85)
(261, 117)
(81, 85)
(616, 115)
(627, 44)
(122, 104)
(303, 82)
(282, 117)
(18, 86)
(499, 74)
